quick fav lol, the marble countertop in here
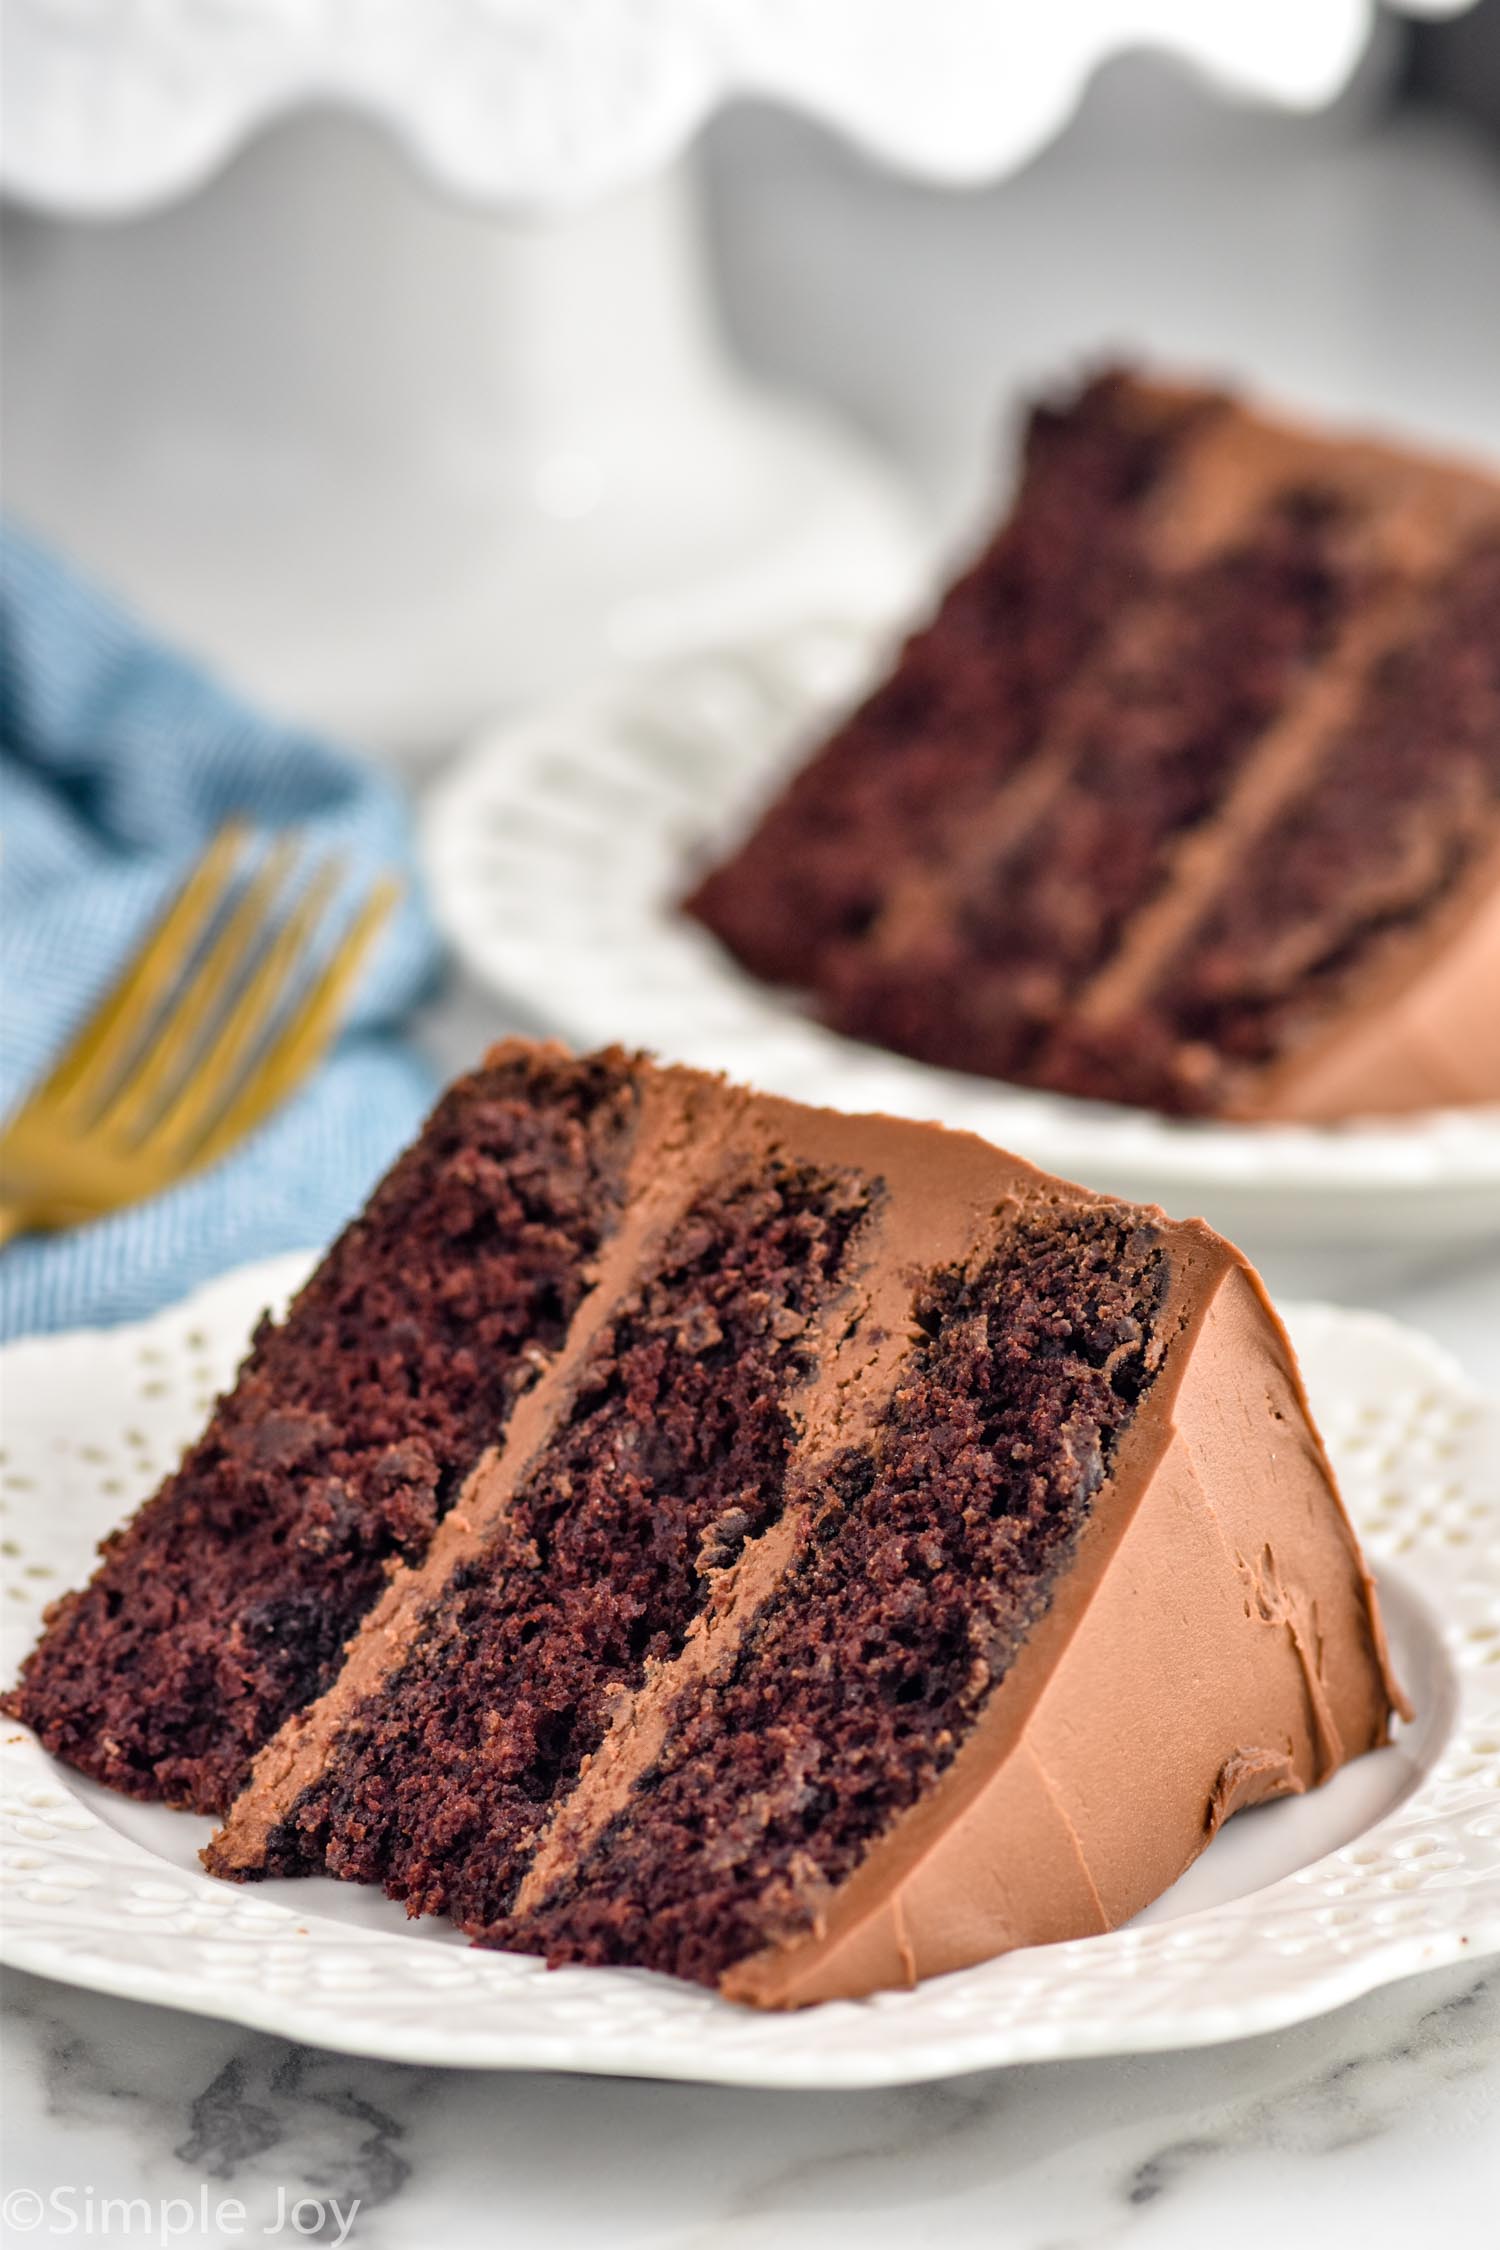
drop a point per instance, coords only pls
(1380, 2124)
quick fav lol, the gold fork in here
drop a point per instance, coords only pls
(209, 1028)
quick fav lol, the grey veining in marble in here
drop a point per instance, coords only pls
(1384, 2117)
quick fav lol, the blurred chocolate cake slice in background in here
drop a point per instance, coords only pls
(1189, 795)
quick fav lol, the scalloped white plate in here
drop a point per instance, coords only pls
(1295, 1908)
(556, 851)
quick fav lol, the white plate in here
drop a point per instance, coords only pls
(558, 848)
(1394, 1867)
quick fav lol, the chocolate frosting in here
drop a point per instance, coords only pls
(1215, 1641)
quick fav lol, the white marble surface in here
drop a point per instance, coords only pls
(1379, 2125)
(1356, 275)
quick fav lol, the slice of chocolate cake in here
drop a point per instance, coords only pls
(1190, 794)
(855, 1551)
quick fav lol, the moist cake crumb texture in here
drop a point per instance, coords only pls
(931, 1551)
(673, 1454)
(224, 1605)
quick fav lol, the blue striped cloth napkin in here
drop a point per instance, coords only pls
(118, 760)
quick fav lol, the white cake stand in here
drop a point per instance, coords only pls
(396, 457)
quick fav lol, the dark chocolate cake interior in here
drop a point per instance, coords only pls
(933, 1550)
(925, 1555)
(225, 1603)
(672, 1456)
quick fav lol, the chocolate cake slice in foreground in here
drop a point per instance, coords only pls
(902, 1555)
(1189, 795)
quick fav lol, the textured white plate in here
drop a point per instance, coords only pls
(558, 848)
(1394, 1867)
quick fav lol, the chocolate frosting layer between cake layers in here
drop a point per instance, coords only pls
(1214, 1640)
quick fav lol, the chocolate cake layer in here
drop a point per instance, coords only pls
(225, 1603)
(1142, 750)
(968, 703)
(1246, 798)
(671, 1455)
(932, 1549)
(807, 1537)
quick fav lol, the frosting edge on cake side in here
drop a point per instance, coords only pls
(1035, 1834)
